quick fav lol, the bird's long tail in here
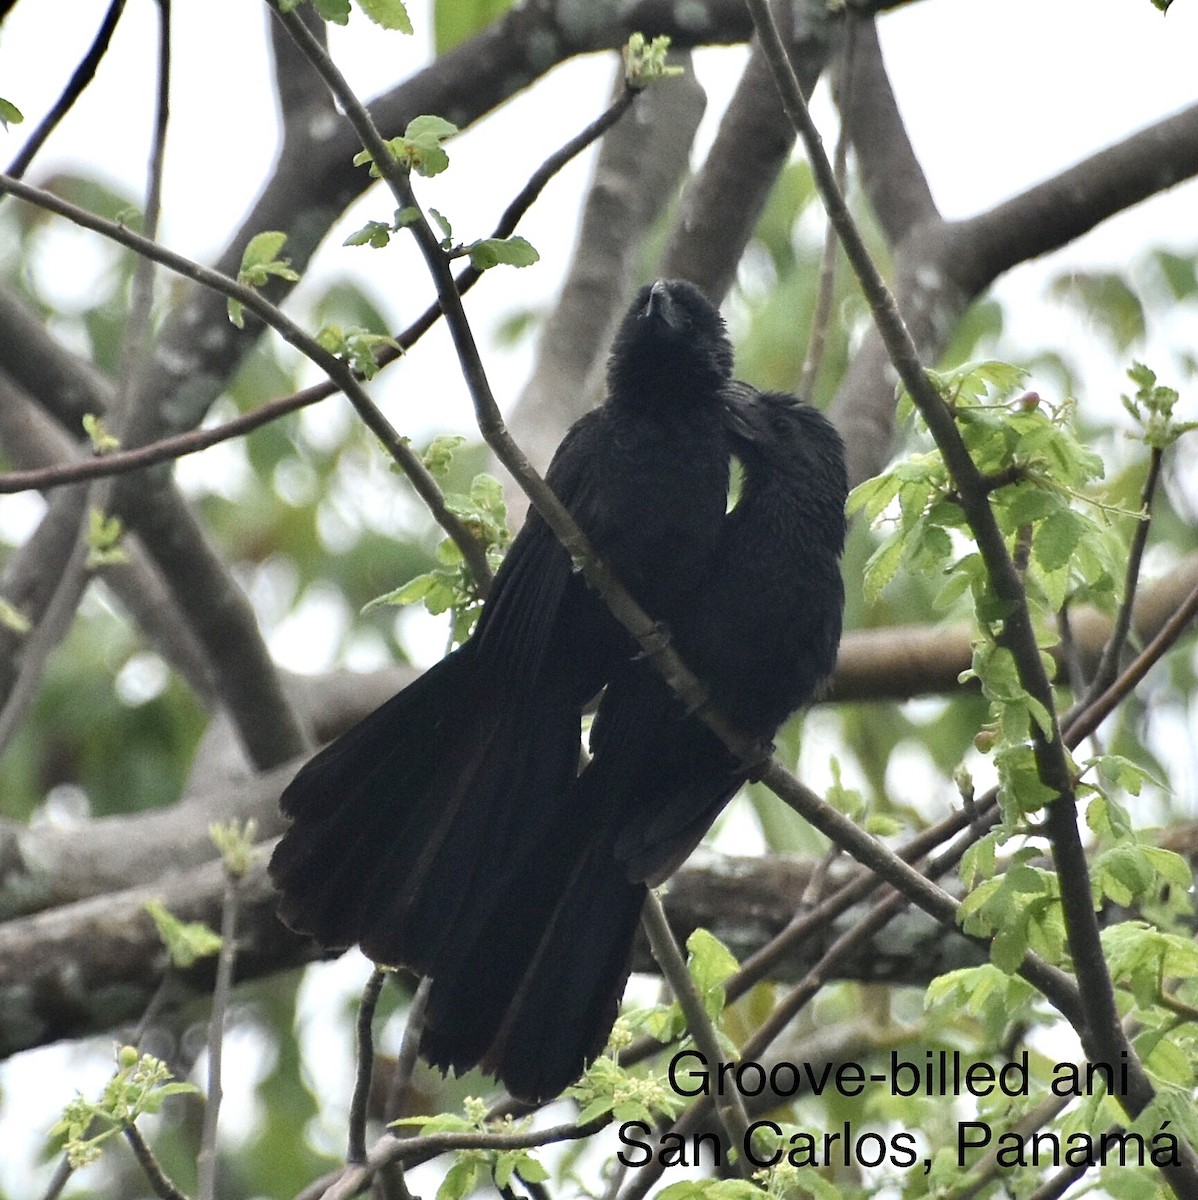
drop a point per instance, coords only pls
(406, 821)
(533, 994)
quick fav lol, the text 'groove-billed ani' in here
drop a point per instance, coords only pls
(450, 831)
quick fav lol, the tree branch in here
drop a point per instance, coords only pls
(723, 201)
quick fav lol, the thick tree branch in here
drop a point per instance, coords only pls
(891, 175)
(722, 203)
(940, 268)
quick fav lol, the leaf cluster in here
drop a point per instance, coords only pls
(450, 586)
(388, 14)
(140, 1085)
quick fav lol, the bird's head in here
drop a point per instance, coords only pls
(671, 343)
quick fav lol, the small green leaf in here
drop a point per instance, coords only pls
(263, 248)
(373, 233)
(645, 61)
(513, 251)
(10, 114)
(460, 1180)
(103, 540)
(390, 14)
(185, 941)
(444, 225)
(336, 11)
(1057, 537)
(456, 20)
(1105, 299)
(235, 841)
(102, 441)
(440, 450)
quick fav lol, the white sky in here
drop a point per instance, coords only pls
(997, 94)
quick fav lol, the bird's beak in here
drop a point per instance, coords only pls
(661, 305)
(740, 406)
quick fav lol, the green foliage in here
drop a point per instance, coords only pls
(260, 262)
(711, 1189)
(102, 441)
(419, 149)
(1043, 479)
(1152, 409)
(139, 1086)
(450, 586)
(473, 1168)
(389, 14)
(12, 618)
(1106, 299)
(357, 346)
(235, 841)
(986, 993)
(645, 61)
(626, 1095)
(104, 541)
(10, 114)
(490, 252)
(456, 20)
(185, 941)
(710, 964)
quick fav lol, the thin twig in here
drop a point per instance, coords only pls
(83, 74)
(1108, 666)
(409, 1051)
(730, 1109)
(163, 1185)
(59, 1180)
(356, 1151)
(822, 318)
(206, 1160)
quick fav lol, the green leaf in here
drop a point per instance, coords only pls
(373, 233)
(263, 248)
(185, 941)
(1057, 537)
(103, 540)
(336, 11)
(235, 841)
(645, 61)
(1104, 299)
(709, 961)
(513, 251)
(102, 441)
(442, 224)
(440, 452)
(456, 20)
(10, 114)
(460, 1180)
(1180, 273)
(390, 14)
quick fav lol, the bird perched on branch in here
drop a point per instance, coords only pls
(450, 831)
(534, 993)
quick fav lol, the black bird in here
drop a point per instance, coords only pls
(405, 830)
(534, 993)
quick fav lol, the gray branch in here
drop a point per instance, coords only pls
(638, 169)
